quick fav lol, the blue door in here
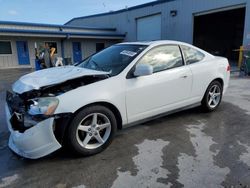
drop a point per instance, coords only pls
(77, 51)
(23, 53)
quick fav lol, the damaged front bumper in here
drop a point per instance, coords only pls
(35, 142)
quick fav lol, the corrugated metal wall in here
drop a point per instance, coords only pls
(174, 28)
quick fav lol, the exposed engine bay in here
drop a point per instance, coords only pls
(60, 88)
(19, 104)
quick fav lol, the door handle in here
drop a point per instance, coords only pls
(184, 76)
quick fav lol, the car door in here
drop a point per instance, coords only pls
(201, 70)
(167, 88)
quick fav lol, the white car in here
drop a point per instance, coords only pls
(84, 105)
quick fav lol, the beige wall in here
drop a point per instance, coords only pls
(11, 61)
(88, 46)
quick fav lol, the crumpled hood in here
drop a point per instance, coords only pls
(51, 76)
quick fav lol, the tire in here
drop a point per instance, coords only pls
(92, 130)
(212, 97)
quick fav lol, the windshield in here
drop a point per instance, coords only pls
(113, 59)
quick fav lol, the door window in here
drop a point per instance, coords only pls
(191, 55)
(163, 58)
(99, 47)
(52, 45)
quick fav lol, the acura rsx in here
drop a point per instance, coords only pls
(83, 105)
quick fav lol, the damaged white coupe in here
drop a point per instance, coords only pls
(82, 106)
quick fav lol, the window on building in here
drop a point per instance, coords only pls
(52, 45)
(163, 58)
(191, 55)
(99, 46)
(5, 47)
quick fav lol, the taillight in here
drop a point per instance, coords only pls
(228, 68)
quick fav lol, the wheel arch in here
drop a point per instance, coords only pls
(220, 80)
(62, 124)
(108, 105)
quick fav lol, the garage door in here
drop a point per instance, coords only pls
(149, 28)
(220, 33)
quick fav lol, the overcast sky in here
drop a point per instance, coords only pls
(58, 11)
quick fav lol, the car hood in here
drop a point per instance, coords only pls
(51, 76)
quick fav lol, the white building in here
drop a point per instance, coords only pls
(18, 41)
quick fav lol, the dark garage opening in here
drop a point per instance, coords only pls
(220, 33)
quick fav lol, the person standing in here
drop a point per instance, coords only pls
(47, 55)
(52, 56)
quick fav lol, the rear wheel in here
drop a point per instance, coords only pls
(92, 130)
(212, 97)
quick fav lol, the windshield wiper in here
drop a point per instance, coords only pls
(98, 66)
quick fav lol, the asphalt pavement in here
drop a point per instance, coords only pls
(185, 149)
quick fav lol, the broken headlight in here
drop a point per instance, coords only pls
(44, 106)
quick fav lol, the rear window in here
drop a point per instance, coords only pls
(192, 55)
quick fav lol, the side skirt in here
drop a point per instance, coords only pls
(161, 115)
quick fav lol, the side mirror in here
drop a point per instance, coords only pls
(143, 70)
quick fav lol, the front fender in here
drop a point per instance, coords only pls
(111, 91)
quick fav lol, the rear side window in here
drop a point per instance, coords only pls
(191, 55)
(163, 58)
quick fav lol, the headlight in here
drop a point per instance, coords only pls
(45, 106)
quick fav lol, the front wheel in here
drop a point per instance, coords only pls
(212, 97)
(92, 130)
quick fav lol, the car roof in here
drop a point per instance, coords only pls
(162, 42)
(156, 42)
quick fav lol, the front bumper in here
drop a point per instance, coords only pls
(35, 142)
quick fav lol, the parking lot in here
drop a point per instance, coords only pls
(189, 148)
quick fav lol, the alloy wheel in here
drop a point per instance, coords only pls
(214, 96)
(93, 131)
